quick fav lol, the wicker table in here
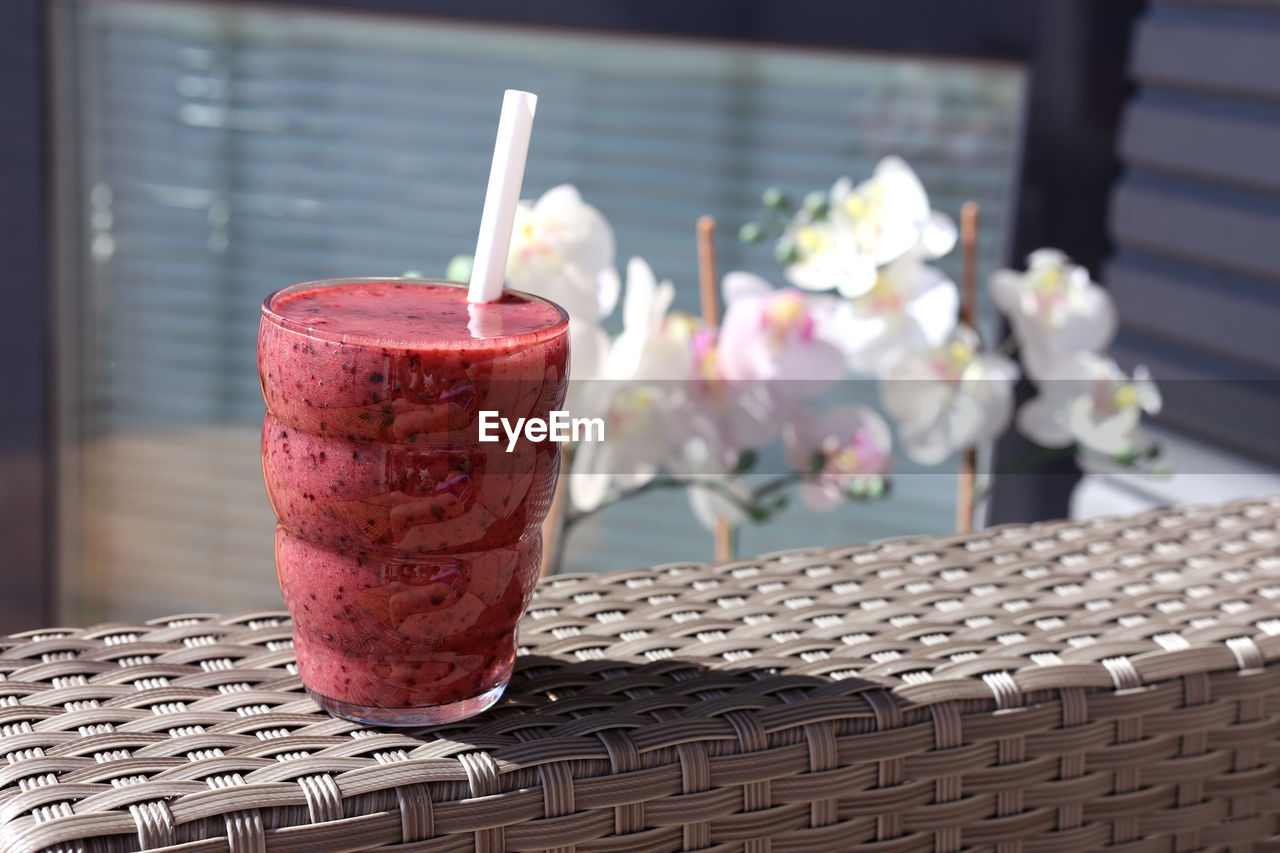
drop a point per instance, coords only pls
(1063, 687)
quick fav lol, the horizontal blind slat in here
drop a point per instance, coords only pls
(1196, 308)
(1234, 53)
(1199, 226)
(1235, 150)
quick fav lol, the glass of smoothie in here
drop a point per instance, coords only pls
(406, 548)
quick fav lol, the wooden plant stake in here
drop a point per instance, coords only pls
(709, 291)
(968, 316)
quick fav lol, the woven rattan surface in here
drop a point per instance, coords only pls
(1063, 687)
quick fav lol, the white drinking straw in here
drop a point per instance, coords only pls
(505, 177)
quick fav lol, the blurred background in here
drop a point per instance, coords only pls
(167, 164)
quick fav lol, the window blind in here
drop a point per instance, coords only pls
(1196, 219)
(224, 152)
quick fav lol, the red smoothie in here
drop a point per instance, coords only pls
(406, 548)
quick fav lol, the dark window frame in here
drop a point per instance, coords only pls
(1075, 51)
(26, 444)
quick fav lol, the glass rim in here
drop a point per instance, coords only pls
(358, 339)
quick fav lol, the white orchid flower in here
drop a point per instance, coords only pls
(1055, 310)
(889, 214)
(632, 397)
(647, 349)
(637, 442)
(560, 247)
(563, 249)
(827, 257)
(947, 398)
(843, 448)
(720, 416)
(1088, 400)
(912, 306)
(773, 335)
(865, 227)
(714, 490)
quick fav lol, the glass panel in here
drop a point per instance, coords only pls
(216, 154)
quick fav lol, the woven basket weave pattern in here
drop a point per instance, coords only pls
(1061, 687)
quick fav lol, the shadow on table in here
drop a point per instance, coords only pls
(557, 692)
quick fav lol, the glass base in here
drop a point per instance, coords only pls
(429, 715)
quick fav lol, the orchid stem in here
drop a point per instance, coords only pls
(774, 485)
